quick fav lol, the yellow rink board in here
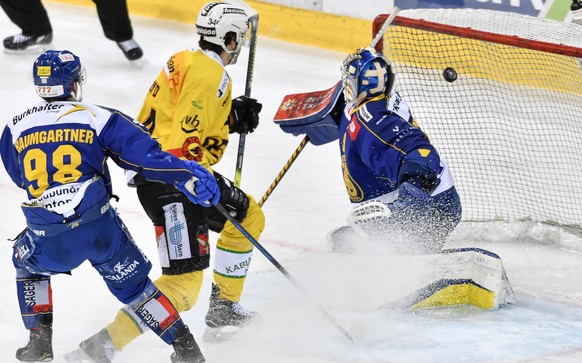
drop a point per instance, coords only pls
(346, 34)
(305, 27)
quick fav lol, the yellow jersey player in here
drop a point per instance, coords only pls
(189, 110)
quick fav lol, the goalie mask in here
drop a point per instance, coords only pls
(366, 74)
(217, 19)
(54, 73)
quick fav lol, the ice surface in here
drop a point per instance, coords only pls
(544, 326)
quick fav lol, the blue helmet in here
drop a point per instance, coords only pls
(366, 74)
(54, 73)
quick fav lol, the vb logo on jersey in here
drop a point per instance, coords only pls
(189, 124)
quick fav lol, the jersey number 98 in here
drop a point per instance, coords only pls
(66, 159)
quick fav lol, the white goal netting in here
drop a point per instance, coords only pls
(510, 126)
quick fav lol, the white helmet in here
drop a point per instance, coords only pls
(217, 19)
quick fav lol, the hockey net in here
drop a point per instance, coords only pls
(510, 126)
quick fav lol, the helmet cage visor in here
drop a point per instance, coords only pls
(365, 74)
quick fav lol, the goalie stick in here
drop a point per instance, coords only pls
(313, 106)
(254, 23)
(284, 170)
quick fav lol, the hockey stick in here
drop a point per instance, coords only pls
(384, 27)
(306, 138)
(254, 22)
(284, 170)
(284, 271)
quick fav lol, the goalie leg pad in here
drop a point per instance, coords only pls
(460, 277)
(370, 218)
(35, 298)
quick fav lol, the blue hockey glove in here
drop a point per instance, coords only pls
(202, 187)
(244, 115)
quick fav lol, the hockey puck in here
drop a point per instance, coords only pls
(450, 74)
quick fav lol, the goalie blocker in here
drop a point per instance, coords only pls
(313, 114)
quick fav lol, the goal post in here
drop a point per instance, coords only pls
(510, 125)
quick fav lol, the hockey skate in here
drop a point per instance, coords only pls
(226, 317)
(97, 349)
(186, 349)
(131, 50)
(21, 44)
(39, 347)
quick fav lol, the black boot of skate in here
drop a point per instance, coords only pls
(39, 347)
(225, 313)
(186, 349)
(96, 349)
(21, 43)
(130, 49)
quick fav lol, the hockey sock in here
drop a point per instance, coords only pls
(125, 328)
(35, 300)
(182, 291)
(158, 313)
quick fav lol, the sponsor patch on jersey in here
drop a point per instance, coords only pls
(364, 113)
(177, 236)
(399, 106)
(353, 128)
(223, 85)
(197, 104)
(189, 124)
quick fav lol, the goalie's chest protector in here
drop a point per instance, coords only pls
(373, 140)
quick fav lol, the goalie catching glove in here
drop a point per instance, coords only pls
(202, 187)
(244, 115)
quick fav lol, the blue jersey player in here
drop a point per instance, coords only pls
(56, 151)
(399, 185)
(396, 179)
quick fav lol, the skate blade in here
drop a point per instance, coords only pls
(35, 49)
(76, 356)
(219, 334)
(136, 63)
